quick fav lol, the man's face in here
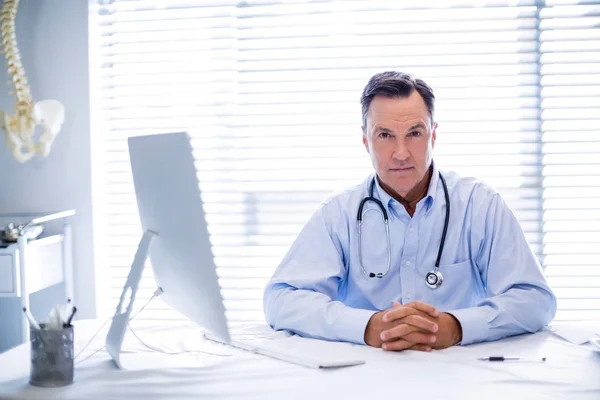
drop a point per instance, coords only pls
(399, 137)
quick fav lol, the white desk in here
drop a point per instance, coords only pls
(571, 372)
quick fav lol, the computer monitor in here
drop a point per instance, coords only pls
(176, 237)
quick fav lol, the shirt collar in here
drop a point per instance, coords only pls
(387, 200)
(432, 191)
(383, 196)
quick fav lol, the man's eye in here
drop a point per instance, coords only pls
(384, 135)
(415, 134)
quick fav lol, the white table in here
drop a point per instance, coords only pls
(570, 372)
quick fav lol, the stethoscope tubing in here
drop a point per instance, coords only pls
(359, 218)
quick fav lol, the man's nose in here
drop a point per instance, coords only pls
(401, 151)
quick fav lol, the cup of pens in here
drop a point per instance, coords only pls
(52, 350)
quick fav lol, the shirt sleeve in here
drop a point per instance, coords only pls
(519, 299)
(300, 296)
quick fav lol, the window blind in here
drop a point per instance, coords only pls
(269, 91)
(570, 55)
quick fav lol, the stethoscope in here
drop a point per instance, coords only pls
(434, 278)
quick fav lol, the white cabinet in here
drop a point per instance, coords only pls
(44, 266)
(8, 274)
(29, 266)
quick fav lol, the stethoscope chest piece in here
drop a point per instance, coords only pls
(434, 279)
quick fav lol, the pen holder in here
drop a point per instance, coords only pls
(51, 357)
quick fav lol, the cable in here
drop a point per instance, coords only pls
(94, 336)
(93, 353)
(144, 306)
(176, 353)
(156, 293)
(159, 291)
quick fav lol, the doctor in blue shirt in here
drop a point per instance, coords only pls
(492, 285)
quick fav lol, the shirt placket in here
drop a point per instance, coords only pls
(409, 258)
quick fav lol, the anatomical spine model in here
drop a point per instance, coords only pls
(20, 127)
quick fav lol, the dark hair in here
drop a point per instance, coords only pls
(396, 84)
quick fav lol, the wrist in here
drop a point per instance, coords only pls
(371, 332)
(456, 329)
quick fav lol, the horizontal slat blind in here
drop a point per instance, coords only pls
(570, 44)
(269, 91)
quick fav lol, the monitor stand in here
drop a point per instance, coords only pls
(120, 320)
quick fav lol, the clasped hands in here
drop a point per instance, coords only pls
(413, 326)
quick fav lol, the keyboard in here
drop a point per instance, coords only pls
(596, 344)
(310, 353)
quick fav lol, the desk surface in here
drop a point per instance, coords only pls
(570, 372)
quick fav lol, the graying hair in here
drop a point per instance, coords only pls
(395, 84)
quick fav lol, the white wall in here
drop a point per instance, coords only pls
(53, 41)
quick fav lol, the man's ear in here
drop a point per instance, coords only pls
(433, 135)
(364, 139)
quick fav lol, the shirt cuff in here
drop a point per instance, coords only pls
(474, 324)
(352, 323)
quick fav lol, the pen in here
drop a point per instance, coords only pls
(68, 323)
(32, 320)
(502, 358)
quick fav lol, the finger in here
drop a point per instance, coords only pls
(407, 332)
(426, 308)
(398, 313)
(421, 337)
(420, 347)
(397, 345)
(398, 332)
(421, 322)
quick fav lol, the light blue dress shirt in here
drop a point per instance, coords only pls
(493, 283)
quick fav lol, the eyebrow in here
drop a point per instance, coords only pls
(378, 128)
(419, 125)
(382, 129)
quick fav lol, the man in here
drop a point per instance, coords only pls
(337, 284)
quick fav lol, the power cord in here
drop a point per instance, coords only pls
(90, 356)
(90, 341)
(156, 293)
(176, 353)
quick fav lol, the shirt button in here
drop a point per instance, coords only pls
(410, 230)
(409, 296)
(408, 263)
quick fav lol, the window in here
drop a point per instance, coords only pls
(269, 90)
(570, 96)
